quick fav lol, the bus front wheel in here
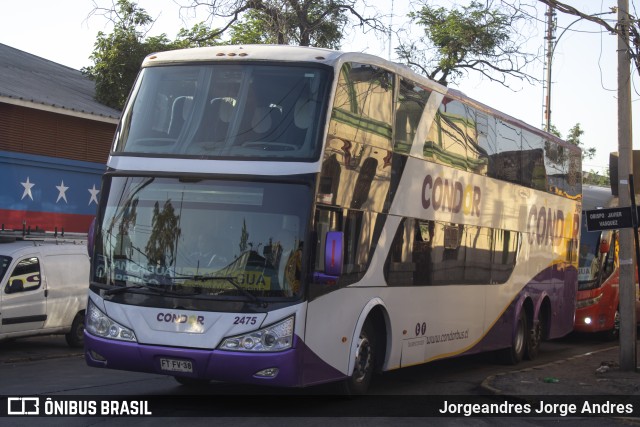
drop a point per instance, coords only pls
(365, 362)
(614, 333)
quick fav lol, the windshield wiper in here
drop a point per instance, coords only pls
(229, 279)
(120, 289)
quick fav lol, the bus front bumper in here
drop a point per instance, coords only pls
(282, 369)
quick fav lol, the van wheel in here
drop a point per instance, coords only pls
(358, 382)
(75, 337)
(514, 354)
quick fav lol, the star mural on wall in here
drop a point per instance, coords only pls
(94, 194)
(62, 192)
(27, 189)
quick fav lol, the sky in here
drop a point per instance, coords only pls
(584, 70)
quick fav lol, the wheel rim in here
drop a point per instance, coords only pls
(363, 359)
(518, 344)
(80, 330)
(616, 322)
(536, 336)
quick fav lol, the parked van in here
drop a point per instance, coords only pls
(598, 298)
(43, 287)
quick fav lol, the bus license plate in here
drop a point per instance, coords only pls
(175, 365)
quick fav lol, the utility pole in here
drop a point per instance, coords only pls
(625, 168)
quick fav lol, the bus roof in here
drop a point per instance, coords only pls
(246, 52)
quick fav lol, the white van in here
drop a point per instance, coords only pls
(43, 288)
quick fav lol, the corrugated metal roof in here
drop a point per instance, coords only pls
(28, 78)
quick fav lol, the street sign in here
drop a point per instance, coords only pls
(609, 219)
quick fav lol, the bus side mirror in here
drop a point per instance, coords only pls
(604, 247)
(333, 258)
(91, 237)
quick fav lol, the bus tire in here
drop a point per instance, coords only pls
(614, 333)
(539, 333)
(365, 363)
(534, 340)
(515, 353)
(75, 337)
(192, 382)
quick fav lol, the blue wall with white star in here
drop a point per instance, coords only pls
(51, 191)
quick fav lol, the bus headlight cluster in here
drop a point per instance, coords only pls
(588, 302)
(276, 337)
(101, 325)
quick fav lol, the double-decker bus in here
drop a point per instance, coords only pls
(294, 216)
(598, 297)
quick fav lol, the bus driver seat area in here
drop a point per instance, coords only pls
(214, 126)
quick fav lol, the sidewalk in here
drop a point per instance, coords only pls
(596, 373)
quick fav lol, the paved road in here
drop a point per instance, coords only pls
(46, 366)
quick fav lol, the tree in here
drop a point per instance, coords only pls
(475, 38)
(117, 56)
(573, 137)
(318, 23)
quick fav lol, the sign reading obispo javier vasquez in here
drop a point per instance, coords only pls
(609, 219)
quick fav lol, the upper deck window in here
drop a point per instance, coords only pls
(225, 111)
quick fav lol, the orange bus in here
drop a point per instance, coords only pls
(597, 307)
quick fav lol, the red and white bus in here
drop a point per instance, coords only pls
(597, 308)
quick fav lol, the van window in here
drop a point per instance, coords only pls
(28, 272)
(4, 265)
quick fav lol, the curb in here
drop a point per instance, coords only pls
(490, 389)
(37, 358)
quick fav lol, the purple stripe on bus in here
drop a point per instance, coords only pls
(297, 367)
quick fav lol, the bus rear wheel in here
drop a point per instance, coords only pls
(365, 363)
(536, 336)
(514, 354)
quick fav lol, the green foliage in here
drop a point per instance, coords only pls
(593, 178)
(573, 137)
(458, 35)
(310, 23)
(117, 56)
(198, 36)
(252, 29)
(472, 38)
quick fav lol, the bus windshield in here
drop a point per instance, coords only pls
(225, 111)
(201, 238)
(589, 261)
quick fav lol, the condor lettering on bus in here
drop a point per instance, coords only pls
(445, 194)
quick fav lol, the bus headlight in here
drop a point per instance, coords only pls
(276, 337)
(588, 302)
(101, 325)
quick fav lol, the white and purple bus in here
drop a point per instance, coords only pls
(294, 216)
